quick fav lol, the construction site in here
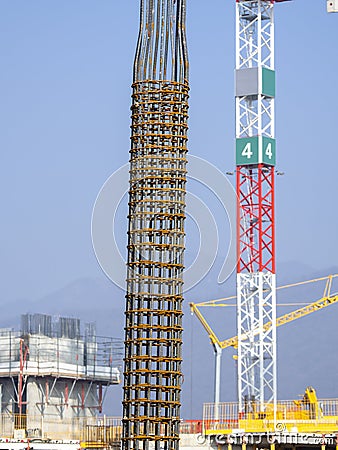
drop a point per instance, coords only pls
(55, 374)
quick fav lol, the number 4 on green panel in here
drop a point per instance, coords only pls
(247, 152)
(269, 151)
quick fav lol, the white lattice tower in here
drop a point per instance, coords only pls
(255, 160)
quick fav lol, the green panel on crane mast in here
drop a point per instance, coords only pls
(247, 151)
(268, 148)
(255, 150)
(268, 82)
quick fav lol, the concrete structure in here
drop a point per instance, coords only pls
(52, 376)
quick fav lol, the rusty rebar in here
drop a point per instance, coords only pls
(153, 331)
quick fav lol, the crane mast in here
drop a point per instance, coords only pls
(255, 161)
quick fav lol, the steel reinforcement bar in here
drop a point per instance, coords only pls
(153, 331)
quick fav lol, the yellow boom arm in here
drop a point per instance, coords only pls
(325, 301)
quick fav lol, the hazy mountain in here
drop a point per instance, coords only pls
(306, 347)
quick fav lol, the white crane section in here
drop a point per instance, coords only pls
(332, 6)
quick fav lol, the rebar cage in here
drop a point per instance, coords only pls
(153, 332)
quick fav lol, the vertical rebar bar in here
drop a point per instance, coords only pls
(153, 331)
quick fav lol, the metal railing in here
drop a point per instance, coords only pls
(94, 432)
(90, 358)
(88, 429)
(289, 416)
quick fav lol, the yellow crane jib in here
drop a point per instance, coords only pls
(323, 302)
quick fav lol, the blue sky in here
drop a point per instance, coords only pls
(64, 118)
(65, 96)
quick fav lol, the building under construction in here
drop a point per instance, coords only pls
(53, 379)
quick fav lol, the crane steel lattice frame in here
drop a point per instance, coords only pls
(255, 160)
(153, 331)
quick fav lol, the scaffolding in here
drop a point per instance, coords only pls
(60, 356)
(50, 373)
(153, 337)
